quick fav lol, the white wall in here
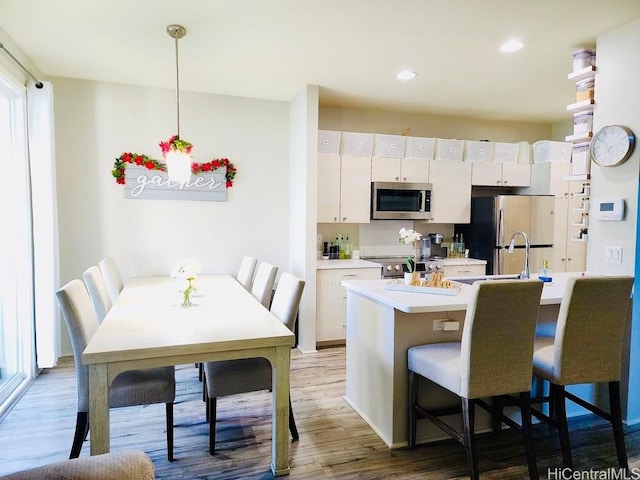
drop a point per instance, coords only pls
(97, 121)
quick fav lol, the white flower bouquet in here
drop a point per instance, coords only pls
(410, 236)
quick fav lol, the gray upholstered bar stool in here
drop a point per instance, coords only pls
(587, 348)
(493, 358)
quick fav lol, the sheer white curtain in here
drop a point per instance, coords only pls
(45, 222)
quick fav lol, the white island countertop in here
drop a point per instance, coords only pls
(414, 302)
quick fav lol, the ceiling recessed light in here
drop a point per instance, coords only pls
(511, 45)
(406, 75)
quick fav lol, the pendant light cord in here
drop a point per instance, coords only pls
(177, 88)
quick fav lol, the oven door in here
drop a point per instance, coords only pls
(399, 200)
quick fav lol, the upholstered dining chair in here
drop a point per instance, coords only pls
(112, 277)
(262, 287)
(230, 377)
(246, 271)
(588, 347)
(493, 358)
(134, 387)
(98, 291)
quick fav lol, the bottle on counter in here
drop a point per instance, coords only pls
(347, 248)
(545, 273)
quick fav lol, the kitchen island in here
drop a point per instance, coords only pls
(382, 325)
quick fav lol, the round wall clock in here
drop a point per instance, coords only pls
(612, 145)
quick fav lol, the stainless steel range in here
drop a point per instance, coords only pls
(394, 266)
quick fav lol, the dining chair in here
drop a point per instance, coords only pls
(262, 287)
(134, 387)
(98, 291)
(111, 276)
(230, 377)
(493, 358)
(246, 270)
(588, 347)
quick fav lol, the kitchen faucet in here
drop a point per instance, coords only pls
(527, 247)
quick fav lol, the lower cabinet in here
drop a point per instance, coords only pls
(464, 270)
(331, 302)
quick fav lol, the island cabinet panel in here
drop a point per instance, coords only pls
(331, 299)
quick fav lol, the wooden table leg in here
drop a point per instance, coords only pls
(98, 409)
(280, 417)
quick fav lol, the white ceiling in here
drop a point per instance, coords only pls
(352, 49)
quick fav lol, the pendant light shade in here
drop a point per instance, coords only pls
(178, 166)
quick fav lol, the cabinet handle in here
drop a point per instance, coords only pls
(344, 219)
(404, 179)
(397, 178)
(345, 275)
(464, 271)
(335, 219)
(499, 182)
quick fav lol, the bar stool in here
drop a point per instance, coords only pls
(494, 358)
(587, 348)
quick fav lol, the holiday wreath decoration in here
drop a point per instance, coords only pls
(174, 143)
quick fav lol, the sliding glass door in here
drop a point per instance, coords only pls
(16, 272)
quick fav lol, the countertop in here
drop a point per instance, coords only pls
(417, 302)
(334, 264)
(331, 264)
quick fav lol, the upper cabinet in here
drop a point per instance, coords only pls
(450, 191)
(501, 174)
(401, 159)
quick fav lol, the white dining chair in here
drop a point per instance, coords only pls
(112, 277)
(230, 377)
(98, 291)
(133, 387)
(246, 271)
(262, 287)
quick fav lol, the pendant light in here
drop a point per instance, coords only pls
(178, 161)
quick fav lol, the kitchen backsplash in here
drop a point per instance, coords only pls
(380, 237)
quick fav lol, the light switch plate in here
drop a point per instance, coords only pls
(613, 254)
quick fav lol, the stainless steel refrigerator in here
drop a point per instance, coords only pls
(494, 219)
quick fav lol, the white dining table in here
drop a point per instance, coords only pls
(147, 327)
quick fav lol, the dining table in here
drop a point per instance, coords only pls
(147, 327)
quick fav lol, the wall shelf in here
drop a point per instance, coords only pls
(579, 137)
(583, 106)
(583, 74)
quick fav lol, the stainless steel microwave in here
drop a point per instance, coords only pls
(400, 200)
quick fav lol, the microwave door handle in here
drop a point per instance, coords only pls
(423, 201)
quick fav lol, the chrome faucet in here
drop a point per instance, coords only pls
(527, 248)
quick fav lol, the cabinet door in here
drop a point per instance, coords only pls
(355, 189)
(415, 170)
(451, 191)
(385, 169)
(560, 215)
(486, 174)
(576, 256)
(331, 301)
(516, 174)
(328, 188)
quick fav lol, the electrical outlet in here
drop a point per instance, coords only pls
(438, 325)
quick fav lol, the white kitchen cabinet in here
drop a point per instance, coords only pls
(497, 174)
(450, 191)
(464, 270)
(331, 302)
(344, 188)
(384, 169)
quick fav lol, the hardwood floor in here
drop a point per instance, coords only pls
(334, 441)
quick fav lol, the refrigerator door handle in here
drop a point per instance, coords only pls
(500, 252)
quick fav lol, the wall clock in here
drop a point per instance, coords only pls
(612, 145)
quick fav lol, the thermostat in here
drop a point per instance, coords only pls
(611, 210)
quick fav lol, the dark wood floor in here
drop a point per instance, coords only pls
(334, 441)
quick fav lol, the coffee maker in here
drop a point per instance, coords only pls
(436, 250)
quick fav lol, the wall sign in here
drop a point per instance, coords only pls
(155, 184)
(145, 177)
